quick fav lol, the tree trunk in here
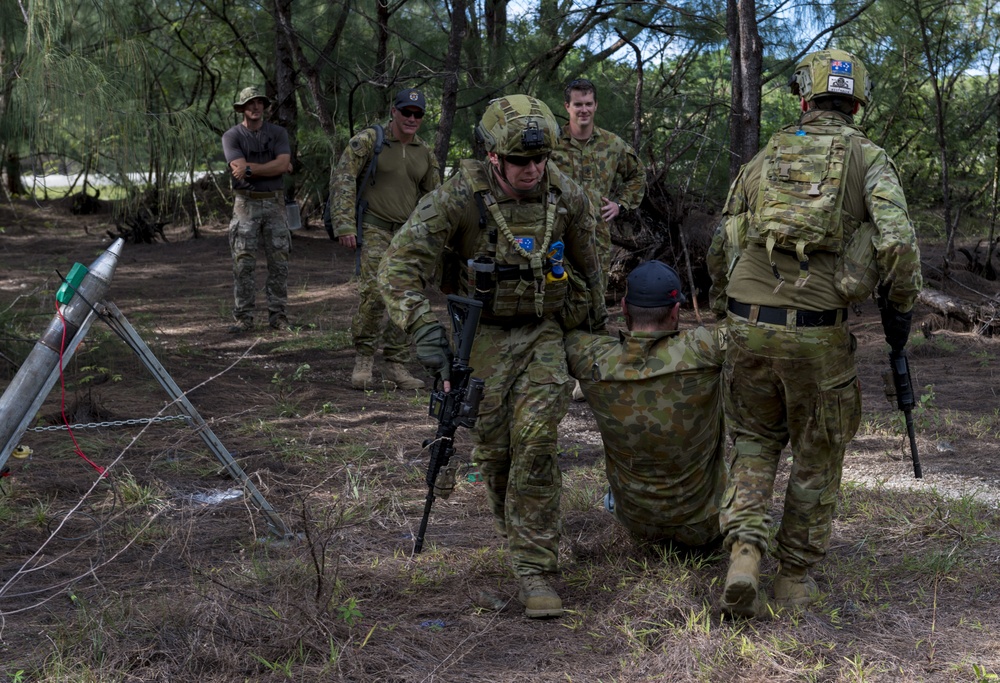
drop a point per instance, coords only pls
(286, 110)
(14, 184)
(746, 52)
(449, 95)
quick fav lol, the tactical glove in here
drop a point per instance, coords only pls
(433, 350)
(896, 326)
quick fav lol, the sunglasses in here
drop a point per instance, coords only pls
(411, 113)
(524, 161)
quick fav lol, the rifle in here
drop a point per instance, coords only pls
(453, 409)
(901, 388)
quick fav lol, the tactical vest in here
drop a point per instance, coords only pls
(511, 271)
(800, 200)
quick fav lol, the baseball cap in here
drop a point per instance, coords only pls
(251, 93)
(653, 284)
(410, 98)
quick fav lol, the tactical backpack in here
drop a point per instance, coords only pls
(799, 204)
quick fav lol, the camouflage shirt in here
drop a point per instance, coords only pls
(403, 175)
(872, 193)
(657, 398)
(606, 166)
(446, 222)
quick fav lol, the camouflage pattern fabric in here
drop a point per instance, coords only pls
(522, 360)
(872, 193)
(799, 384)
(404, 174)
(800, 387)
(259, 223)
(606, 166)
(526, 395)
(657, 398)
(369, 322)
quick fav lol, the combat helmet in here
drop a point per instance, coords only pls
(250, 93)
(831, 73)
(518, 125)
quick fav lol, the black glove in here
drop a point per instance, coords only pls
(896, 326)
(433, 350)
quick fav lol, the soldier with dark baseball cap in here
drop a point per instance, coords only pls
(653, 284)
(656, 393)
(410, 98)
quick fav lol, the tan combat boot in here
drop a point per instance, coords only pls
(793, 587)
(397, 373)
(739, 597)
(361, 378)
(538, 597)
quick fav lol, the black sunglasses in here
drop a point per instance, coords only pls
(524, 161)
(407, 113)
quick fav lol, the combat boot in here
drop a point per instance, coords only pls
(539, 598)
(242, 325)
(397, 373)
(793, 587)
(361, 378)
(739, 597)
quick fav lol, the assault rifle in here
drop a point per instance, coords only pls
(453, 409)
(901, 389)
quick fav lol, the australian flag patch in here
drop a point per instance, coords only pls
(841, 67)
(526, 243)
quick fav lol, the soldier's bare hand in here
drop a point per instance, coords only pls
(609, 210)
(349, 241)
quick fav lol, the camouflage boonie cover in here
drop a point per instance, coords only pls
(657, 398)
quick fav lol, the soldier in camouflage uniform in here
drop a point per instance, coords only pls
(258, 154)
(657, 396)
(790, 369)
(604, 164)
(406, 169)
(498, 224)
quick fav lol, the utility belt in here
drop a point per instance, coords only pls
(276, 195)
(756, 314)
(379, 223)
(513, 292)
(510, 323)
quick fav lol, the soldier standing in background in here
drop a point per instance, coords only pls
(604, 164)
(817, 190)
(258, 154)
(406, 169)
(656, 393)
(501, 223)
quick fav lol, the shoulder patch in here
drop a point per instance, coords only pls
(426, 210)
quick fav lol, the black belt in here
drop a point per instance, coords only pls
(276, 194)
(379, 223)
(779, 316)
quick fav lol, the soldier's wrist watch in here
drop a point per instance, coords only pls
(248, 172)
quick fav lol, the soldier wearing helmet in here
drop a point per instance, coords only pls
(517, 234)
(815, 222)
(258, 154)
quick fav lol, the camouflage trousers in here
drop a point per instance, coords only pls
(259, 223)
(799, 386)
(527, 394)
(370, 320)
